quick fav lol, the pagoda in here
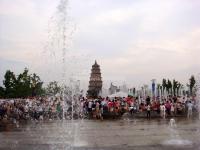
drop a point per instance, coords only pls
(95, 83)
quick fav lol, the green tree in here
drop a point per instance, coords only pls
(2, 92)
(23, 84)
(36, 85)
(192, 83)
(169, 87)
(175, 87)
(134, 91)
(9, 83)
(164, 85)
(53, 88)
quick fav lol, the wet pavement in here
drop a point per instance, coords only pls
(126, 134)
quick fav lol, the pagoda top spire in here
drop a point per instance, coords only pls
(96, 64)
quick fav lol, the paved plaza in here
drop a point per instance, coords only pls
(130, 134)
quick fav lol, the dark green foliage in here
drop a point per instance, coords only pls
(22, 86)
(53, 88)
(172, 88)
(192, 83)
(2, 92)
(36, 85)
(169, 87)
(134, 91)
(164, 84)
(10, 84)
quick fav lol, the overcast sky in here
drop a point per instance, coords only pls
(134, 41)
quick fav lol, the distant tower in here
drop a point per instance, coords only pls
(95, 83)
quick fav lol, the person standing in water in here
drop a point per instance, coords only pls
(148, 111)
(162, 110)
(190, 106)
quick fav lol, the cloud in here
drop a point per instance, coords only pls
(116, 16)
(14, 8)
(133, 41)
(144, 60)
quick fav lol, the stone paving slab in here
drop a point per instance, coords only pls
(122, 134)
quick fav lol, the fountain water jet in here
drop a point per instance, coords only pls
(175, 139)
(198, 95)
(60, 34)
(172, 123)
(61, 30)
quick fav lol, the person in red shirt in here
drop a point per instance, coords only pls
(168, 107)
(110, 106)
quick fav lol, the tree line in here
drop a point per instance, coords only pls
(21, 86)
(26, 85)
(174, 87)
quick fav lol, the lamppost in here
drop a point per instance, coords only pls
(145, 91)
(153, 88)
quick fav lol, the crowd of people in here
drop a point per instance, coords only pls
(31, 108)
(46, 108)
(163, 107)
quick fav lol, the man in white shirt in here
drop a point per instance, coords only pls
(162, 110)
(148, 111)
(190, 106)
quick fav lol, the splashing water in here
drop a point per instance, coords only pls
(175, 139)
(61, 30)
(198, 94)
(60, 39)
(172, 123)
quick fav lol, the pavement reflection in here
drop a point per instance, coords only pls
(94, 134)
